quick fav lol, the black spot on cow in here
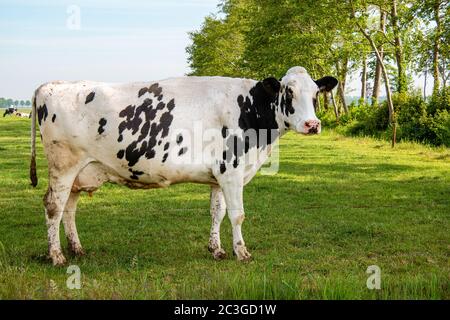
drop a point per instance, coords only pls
(286, 124)
(166, 146)
(179, 139)
(259, 112)
(147, 123)
(155, 89)
(54, 117)
(42, 113)
(224, 132)
(235, 148)
(257, 120)
(101, 123)
(159, 142)
(135, 174)
(90, 97)
(223, 167)
(165, 157)
(142, 92)
(182, 151)
(120, 154)
(286, 102)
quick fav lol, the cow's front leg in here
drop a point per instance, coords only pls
(233, 192)
(217, 209)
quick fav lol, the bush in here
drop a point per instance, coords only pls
(417, 120)
(440, 102)
(440, 126)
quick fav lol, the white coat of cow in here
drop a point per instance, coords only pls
(140, 135)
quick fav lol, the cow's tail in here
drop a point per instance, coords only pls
(33, 173)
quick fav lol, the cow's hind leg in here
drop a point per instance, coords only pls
(70, 227)
(55, 200)
(218, 210)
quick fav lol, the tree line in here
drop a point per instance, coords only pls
(386, 43)
(5, 103)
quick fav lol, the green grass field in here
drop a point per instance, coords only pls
(337, 206)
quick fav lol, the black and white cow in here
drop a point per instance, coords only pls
(9, 110)
(22, 115)
(141, 135)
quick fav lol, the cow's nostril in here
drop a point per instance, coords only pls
(313, 130)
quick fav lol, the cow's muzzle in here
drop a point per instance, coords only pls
(312, 127)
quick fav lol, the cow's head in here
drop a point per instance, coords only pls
(298, 98)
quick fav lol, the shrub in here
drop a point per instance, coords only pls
(440, 126)
(439, 102)
(417, 120)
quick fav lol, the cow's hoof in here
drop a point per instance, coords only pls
(219, 254)
(58, 259)
(242, 253)
(76, 251)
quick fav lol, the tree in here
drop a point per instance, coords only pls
(377, 78)
(435, 17)
(357, 19)
(398, 47)
(364, 79)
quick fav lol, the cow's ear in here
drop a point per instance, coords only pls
(326, 83)
(272, 86)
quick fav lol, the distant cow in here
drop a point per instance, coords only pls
(139, 135)
(9, 110)
(23, 114)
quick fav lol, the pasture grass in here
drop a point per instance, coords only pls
(337, 206)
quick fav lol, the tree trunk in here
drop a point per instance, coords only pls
(342, 74)
(425, 85)
(383, 71)
(436, 48)
(377, 78)
(364, 80)
(336, 110)
(325, 100)
(401, 73)
(443, 73)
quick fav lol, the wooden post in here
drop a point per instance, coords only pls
(336, 110)
(394, 134)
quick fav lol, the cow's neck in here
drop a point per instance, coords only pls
(262, 111)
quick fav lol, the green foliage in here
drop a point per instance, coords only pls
(418, 120)
(256, 39)
(217, 47)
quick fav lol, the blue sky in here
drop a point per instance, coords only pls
(118, 41)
